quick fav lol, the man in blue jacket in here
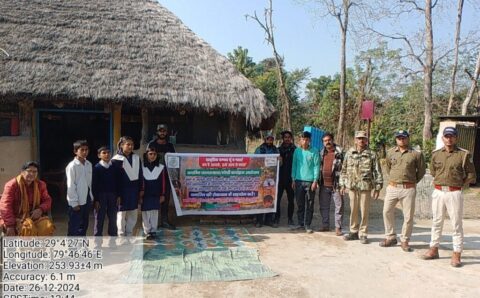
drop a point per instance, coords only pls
(266, 148)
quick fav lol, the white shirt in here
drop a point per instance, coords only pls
(79, 182)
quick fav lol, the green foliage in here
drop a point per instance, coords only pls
(264, 76)
(267, 82)
(399, 113)
(242, 61)
(427, 151)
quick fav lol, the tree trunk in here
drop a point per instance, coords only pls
(343, 72)
(362, 94)
(473, 87)
(455, 62)
(428, 73)
(282, 94)
(282, 89)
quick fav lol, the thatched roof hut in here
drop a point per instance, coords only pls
(118, 51)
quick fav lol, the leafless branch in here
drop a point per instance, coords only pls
(411, 72)
(414, 3)
(441, 58)
(469, 74)
(406, 40)
(262, 25)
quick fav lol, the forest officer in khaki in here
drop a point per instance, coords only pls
(405, 167)
(452, 169)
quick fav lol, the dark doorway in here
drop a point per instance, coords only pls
(57, 132)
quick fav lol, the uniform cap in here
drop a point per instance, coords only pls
(450, 131)
(360, 134)
(401, 133)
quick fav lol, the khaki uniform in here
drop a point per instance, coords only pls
(405, 170)
(451, 172)
(360, 174)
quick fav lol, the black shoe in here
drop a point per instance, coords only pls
(350, 236)
(167, 225)
(272, 224)
(150, 237)
(290, 222)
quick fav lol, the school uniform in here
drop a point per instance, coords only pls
(79, 193)
(161, 150)
(129, 181)
(105, 193)
(154, 188)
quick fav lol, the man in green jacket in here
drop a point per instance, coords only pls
(360, 175)
(305, 172)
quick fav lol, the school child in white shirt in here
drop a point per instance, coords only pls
(79, 190)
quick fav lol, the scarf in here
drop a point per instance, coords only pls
(24, 204)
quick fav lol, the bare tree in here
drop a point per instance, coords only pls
(363, 86)
(428, 71)
(267, 26)
(424, 57)
(340, 10)
(474, 85)
(455, 62)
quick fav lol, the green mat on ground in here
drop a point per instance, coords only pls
(194, 254)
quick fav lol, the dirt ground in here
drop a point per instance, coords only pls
(323, 265)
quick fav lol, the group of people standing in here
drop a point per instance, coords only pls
(115, 186)
(118, 185)
(357, 173)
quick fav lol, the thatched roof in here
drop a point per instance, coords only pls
(117, 50)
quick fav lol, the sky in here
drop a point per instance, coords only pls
(305, 40)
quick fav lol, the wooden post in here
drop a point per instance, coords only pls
(368, 130)
(144, 140)
(26, 118)
(25, 108)
(117, 123)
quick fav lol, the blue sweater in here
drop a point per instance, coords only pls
(153, 189)
(128, 190)
(103, 181)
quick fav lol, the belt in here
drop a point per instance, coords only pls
(402, 185)
(447, 188)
